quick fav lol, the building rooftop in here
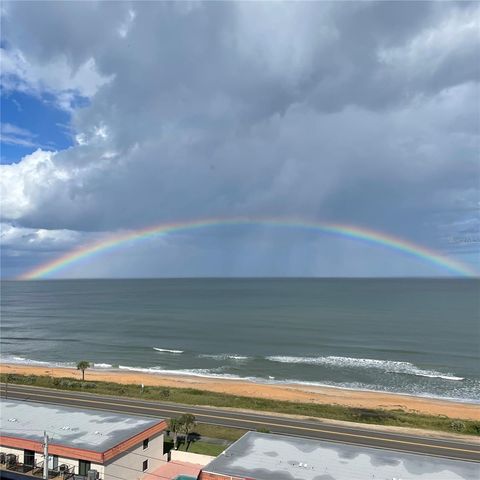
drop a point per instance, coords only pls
(263, 456)
(93, 430)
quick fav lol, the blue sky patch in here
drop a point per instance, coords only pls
(30, 122)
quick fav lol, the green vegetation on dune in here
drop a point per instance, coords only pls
(189, 396)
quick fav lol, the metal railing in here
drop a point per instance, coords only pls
(63, 472)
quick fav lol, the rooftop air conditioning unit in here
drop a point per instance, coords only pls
(92, 475)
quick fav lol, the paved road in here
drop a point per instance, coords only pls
(252, 421)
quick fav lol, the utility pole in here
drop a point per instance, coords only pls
(45, 455)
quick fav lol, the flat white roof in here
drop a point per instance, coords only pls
(262, 456)
(94, 430)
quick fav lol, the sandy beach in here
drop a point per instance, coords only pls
(290, 392)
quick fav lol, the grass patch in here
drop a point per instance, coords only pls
(189, 396)
(215, 431)
(203, 448)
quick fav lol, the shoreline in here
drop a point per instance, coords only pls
(282, 392)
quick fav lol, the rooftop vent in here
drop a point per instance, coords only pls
(13, 420)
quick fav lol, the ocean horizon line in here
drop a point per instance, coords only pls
(247, 277)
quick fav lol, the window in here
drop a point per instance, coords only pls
(145, 465)
(29, 458)
(83, 467)
(145, 444)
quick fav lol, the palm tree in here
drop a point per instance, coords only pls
(188, 424)
(83, 365)
(175, 426)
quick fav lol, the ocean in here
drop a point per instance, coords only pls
(413, 336)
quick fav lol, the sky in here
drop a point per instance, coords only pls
(116, 116)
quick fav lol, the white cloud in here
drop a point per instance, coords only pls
(22, 142)
(442, 55)
(57, 77)
(289, 34)
(20, 238)
(8, 128)
(14, 135)
(457, 33)
(20, 183)
(125, 27)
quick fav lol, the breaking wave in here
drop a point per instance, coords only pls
(102, 365)
(388, 366)
(166, 350)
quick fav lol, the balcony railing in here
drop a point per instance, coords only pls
(63, 472)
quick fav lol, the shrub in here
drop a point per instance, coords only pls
(164, 392)
(30, 379)
(193, 391)
(65, 383)
(89, 385)
(475, 428)
(367, 415)
(458, 426)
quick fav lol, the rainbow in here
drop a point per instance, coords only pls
(346, 231)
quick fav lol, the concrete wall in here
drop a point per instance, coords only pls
(190, 457)
(15, 451)
(129, 464)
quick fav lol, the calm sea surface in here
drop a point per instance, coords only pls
(412, 336)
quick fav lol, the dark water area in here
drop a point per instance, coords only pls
(415, 336)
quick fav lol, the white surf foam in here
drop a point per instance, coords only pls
(196, 372)
(18, 360)
(167, 350)
(225, 356)
(378, 388)
(102, 365)
(438, 375)
(388, 366)
(138, 369)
